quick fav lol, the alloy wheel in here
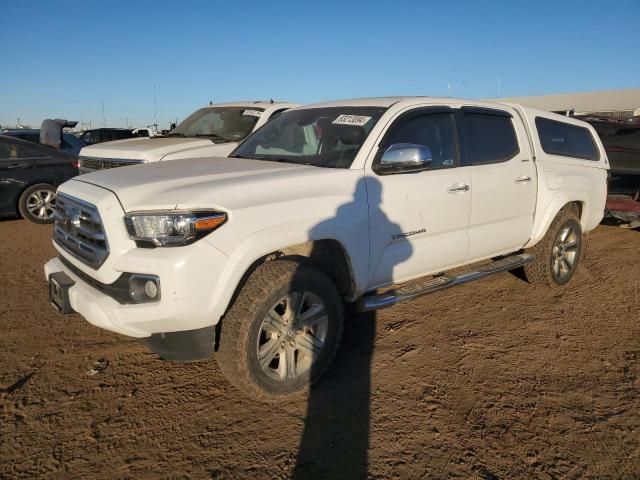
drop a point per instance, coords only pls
(292, 336)
(41, 204)
(564, 253)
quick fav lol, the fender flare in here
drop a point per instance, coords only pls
(262, 243)
(558, 202)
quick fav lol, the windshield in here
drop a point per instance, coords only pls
(220, 124)
(323, 137)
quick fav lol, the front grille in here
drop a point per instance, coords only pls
(78, 230)
(89, 164)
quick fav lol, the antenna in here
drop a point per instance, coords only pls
(104, 121)
(499, 87)
(155, 105)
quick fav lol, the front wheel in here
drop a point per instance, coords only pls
(37, 203)
(282, 332)
(559, 252)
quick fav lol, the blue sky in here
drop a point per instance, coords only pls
(62, 58)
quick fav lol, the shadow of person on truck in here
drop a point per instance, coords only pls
(335, 439)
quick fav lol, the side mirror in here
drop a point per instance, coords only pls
(405, 157)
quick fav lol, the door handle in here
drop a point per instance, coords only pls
(523, 179)
(16, 166)
(458, 187)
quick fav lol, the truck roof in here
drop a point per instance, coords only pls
(416, 100)
(388, 101)
(255, 103)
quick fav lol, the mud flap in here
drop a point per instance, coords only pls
(185, 346)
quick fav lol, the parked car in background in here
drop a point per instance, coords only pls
(29, 176)
(621, 140)
(211, 131)
(252, 258)
(69, 142)
(144, 132)
(101, 135)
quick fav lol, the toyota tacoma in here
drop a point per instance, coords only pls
(370, 202)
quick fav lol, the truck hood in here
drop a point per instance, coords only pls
(217, 183)
(148, 149)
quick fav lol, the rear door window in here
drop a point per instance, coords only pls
(489, 138)
(11, 151)
(559, 138)
(25, 152)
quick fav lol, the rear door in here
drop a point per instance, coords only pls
(503, 182)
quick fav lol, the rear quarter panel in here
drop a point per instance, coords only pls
(562, 179)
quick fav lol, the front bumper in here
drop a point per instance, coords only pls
(188, 277)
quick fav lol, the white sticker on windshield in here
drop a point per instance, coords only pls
(356, 120)
(252, 113)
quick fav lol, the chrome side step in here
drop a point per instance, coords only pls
(441, 282)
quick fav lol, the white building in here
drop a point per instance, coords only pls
(622, 103)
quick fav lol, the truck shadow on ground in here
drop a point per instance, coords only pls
(335, 439)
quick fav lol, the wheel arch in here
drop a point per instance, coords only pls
(327, 255)
(577, 200)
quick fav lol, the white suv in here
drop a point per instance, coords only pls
(255, 256)
(213, 131)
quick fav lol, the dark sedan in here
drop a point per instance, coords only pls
(29, 176)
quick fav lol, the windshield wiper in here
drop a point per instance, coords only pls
(181, 135)
(218, 137)
(276, 159)
(286, 160)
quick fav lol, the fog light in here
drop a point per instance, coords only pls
(144, 288)
(151, 289)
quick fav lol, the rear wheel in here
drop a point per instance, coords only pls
(37, 203)
(282, 332)
(559, 252)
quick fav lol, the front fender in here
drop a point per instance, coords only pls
(351, 236)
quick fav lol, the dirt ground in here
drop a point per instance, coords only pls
(494, 380)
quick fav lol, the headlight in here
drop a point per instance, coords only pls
(173, 228)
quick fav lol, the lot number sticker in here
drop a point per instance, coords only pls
(252, 113)
(356, 120)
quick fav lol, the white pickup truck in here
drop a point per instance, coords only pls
(213, 131)
(250, 259)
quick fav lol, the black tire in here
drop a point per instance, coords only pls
(42, 214)
(242, 330)
(551, 249)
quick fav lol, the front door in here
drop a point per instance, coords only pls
(418, 221)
